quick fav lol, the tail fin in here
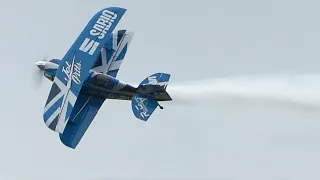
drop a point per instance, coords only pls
(151, 90)
(143, 106)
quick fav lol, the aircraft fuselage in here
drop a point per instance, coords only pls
(102, 85)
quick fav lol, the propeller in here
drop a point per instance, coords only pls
(39, 72)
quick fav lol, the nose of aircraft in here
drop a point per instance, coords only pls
(41, 64)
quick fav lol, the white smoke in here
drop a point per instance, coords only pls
(289, 90)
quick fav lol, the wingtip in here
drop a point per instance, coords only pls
(116, 8)
(67, 142)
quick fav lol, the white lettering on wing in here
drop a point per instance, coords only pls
(75, 74)
(89, 44)
(103, 24)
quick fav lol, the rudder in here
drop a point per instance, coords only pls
(151, 90)
(143, 106)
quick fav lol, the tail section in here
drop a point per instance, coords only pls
(143, 106)
(161, 79)
(151, 90)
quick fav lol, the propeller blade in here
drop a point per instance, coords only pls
(39, 72)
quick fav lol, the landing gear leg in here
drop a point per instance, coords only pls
(160, 106)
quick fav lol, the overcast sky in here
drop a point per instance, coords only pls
(192, 40)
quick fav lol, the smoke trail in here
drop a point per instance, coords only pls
(290, 90)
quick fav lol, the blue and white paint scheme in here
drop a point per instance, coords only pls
(87, 75)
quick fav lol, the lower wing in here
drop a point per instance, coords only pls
(85, 110)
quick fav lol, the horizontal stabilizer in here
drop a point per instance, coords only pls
(155, 85)
(161, 79)
(143, 106)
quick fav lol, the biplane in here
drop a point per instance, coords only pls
(87, 75)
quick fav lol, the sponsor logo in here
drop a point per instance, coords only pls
(103, 24)
(72, 71)
(141, 107)
(89, 45)
(152, 80)
(99, 29)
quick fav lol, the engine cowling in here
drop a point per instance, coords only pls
(49, 68)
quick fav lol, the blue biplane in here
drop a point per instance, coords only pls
(86, 76)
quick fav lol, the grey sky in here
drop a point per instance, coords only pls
(191, 40)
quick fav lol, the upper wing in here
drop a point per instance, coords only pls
(75, 66)
(112, 55)
(81, 117)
